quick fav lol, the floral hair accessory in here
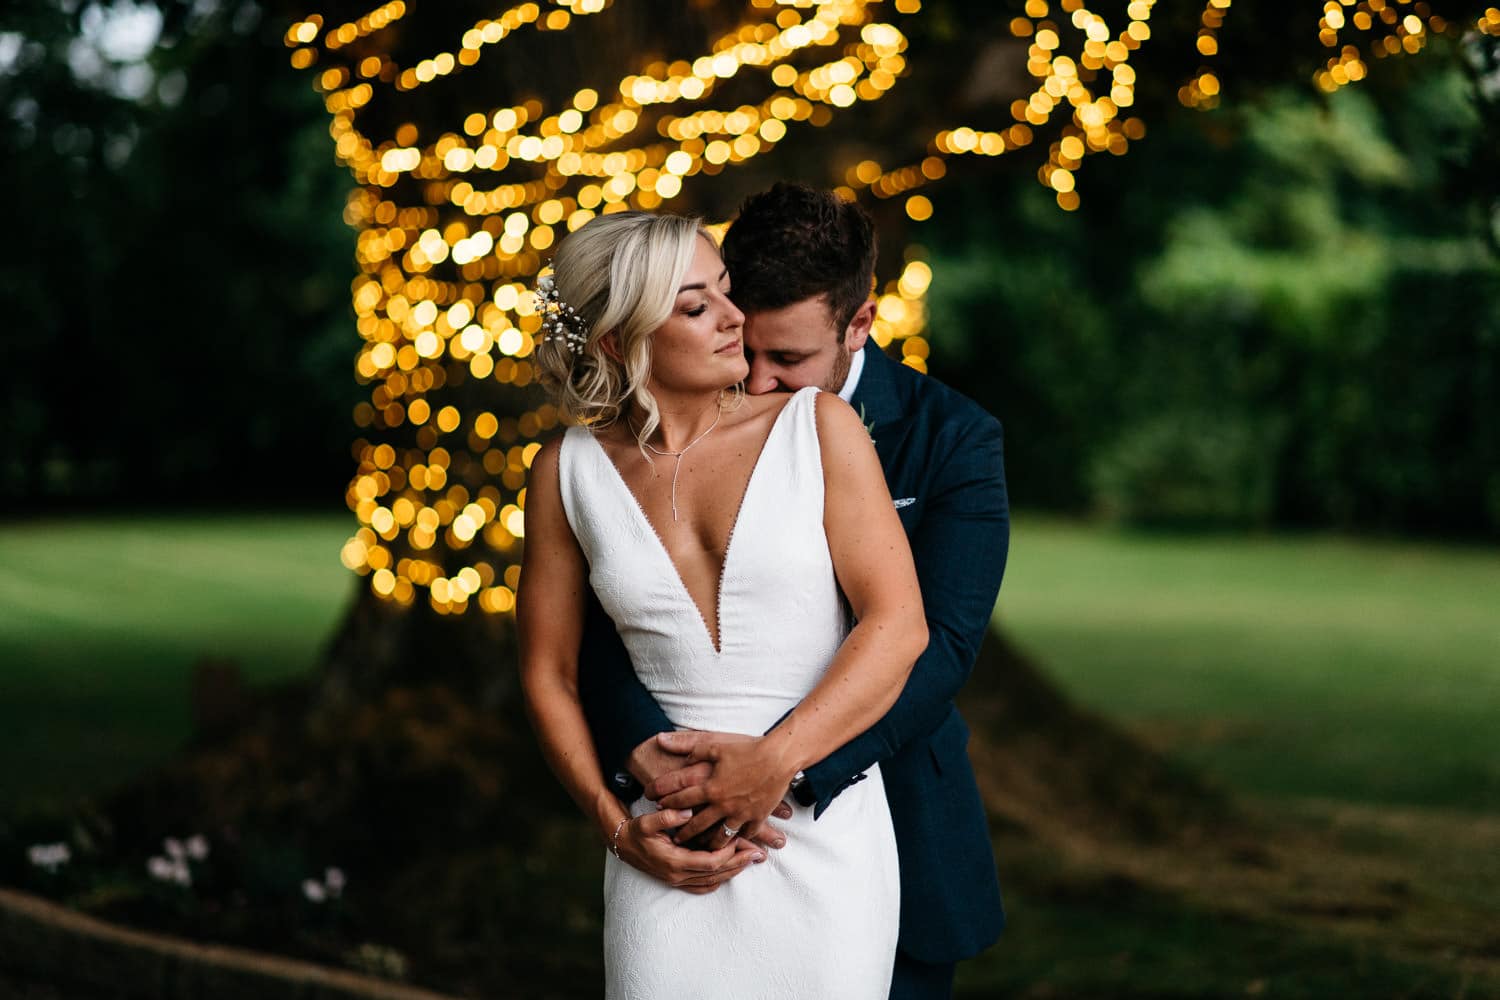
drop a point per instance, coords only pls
(560, 321)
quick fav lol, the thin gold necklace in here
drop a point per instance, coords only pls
(678, 455)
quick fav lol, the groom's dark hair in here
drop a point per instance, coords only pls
(794, 242)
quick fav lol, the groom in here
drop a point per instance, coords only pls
(801, 264)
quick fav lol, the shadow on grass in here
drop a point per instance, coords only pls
(1075, 933)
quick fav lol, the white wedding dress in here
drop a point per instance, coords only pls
(819, 917)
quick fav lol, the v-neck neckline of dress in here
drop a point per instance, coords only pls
(717, 631)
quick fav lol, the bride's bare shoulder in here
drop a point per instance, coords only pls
(763, 408)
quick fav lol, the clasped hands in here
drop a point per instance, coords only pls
(705, 782)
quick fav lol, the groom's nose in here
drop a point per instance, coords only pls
(764, 377)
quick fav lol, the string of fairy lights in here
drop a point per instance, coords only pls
(1202, 91)
(1387, 28)
(1092, 86)
(452, 228)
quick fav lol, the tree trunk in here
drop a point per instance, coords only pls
(380, 645)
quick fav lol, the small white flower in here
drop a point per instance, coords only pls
(170, 870)
(49, 856)
(333, 878)
(314, 890)
(174, 847)
(197, 847)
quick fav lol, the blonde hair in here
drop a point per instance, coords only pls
(620, 273)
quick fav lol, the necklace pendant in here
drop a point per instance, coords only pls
(678, 456)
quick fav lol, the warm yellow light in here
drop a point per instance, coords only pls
(353, 554)
(915, 278)
(510, 341)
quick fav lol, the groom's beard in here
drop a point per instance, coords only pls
(839, 373)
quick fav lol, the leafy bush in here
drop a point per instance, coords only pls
(1295, 322)
(1187, 469)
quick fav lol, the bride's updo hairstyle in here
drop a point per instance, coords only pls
(620, 273)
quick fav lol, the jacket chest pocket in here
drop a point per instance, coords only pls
(908, 509)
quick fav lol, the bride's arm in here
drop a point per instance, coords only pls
(874, 566)
(549, 620)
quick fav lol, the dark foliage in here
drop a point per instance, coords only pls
(1284, 313)
(177, 325)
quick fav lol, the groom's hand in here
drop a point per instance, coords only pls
(745, 785)
(686, 776)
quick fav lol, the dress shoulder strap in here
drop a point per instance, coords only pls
(805, 454)
(584, 488)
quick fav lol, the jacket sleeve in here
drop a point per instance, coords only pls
(621, 713)
(959, 547)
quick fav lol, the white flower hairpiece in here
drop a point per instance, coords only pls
(560, 321)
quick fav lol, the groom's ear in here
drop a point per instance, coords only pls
(858, 330)
(610, 345)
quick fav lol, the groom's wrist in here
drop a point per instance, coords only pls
(801, 790)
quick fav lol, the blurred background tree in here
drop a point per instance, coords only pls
(1277, 309)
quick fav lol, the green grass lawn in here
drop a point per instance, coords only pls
(1283, 666)
(102, 618)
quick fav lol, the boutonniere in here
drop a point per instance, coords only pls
(869, 425)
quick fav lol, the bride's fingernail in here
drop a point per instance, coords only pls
(778, 844)
(758, 858)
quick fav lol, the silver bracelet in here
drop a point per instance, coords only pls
(614, 842)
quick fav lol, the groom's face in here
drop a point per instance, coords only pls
(799, 345)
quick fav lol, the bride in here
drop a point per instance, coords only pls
(723, 534)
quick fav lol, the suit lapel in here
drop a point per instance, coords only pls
(877, 400)
(875, 397)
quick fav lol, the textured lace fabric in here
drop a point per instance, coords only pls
(819, 917)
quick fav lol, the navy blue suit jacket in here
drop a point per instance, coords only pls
(943, 461)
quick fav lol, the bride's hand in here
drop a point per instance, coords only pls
(749, 779)
(646, 843)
